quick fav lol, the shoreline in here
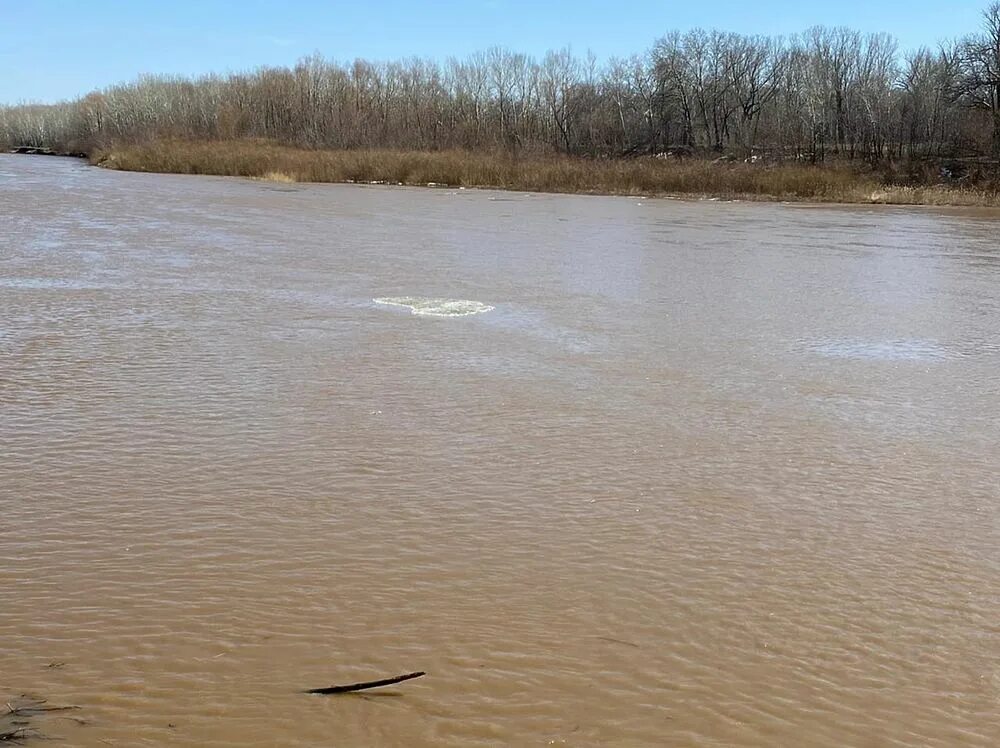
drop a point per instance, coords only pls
(640, 177)
(647, 177)
(29, 150)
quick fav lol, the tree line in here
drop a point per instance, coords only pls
(826, 93)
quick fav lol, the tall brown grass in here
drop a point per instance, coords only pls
(641, 176)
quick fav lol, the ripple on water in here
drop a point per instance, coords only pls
(882, 350)
(437, 307)
(48, 284)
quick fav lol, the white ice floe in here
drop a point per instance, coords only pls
(437, 307)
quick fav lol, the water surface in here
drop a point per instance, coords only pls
(706, 474)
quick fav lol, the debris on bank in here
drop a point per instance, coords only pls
(32, 150)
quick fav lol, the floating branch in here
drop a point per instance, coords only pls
(21, 733)
(366, 685)
(34, 707)
(18, 715)
(619, 641)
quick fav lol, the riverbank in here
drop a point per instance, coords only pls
(640, 176)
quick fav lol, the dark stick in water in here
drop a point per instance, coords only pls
(18, 734)
(367, 684)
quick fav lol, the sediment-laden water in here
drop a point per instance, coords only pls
(693, 474)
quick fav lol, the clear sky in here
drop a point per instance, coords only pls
(57, 49)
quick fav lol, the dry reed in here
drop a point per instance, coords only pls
(640, 176)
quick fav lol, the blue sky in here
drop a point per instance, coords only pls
(56, 49)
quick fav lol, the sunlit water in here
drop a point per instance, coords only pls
(704, 474)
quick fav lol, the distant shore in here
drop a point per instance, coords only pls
(645, 176)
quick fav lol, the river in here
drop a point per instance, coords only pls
(664, 473)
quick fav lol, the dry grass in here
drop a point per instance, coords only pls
(645, 176)
(277, 176)
(934, 195)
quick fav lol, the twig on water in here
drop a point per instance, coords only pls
(19, 715)
(16, 735)
(32, 708)
(619, 641)
(366, 684)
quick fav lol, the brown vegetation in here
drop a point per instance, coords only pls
(260, 159)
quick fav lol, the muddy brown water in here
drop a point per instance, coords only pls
(707, 474)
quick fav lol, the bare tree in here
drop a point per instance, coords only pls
(979, 82)
(754, 66)
(560, 78)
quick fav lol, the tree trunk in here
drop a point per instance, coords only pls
(996, 124)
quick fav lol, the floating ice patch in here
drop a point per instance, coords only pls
(437, 307)
(884, 350)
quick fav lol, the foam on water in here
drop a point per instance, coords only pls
(437, 307)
